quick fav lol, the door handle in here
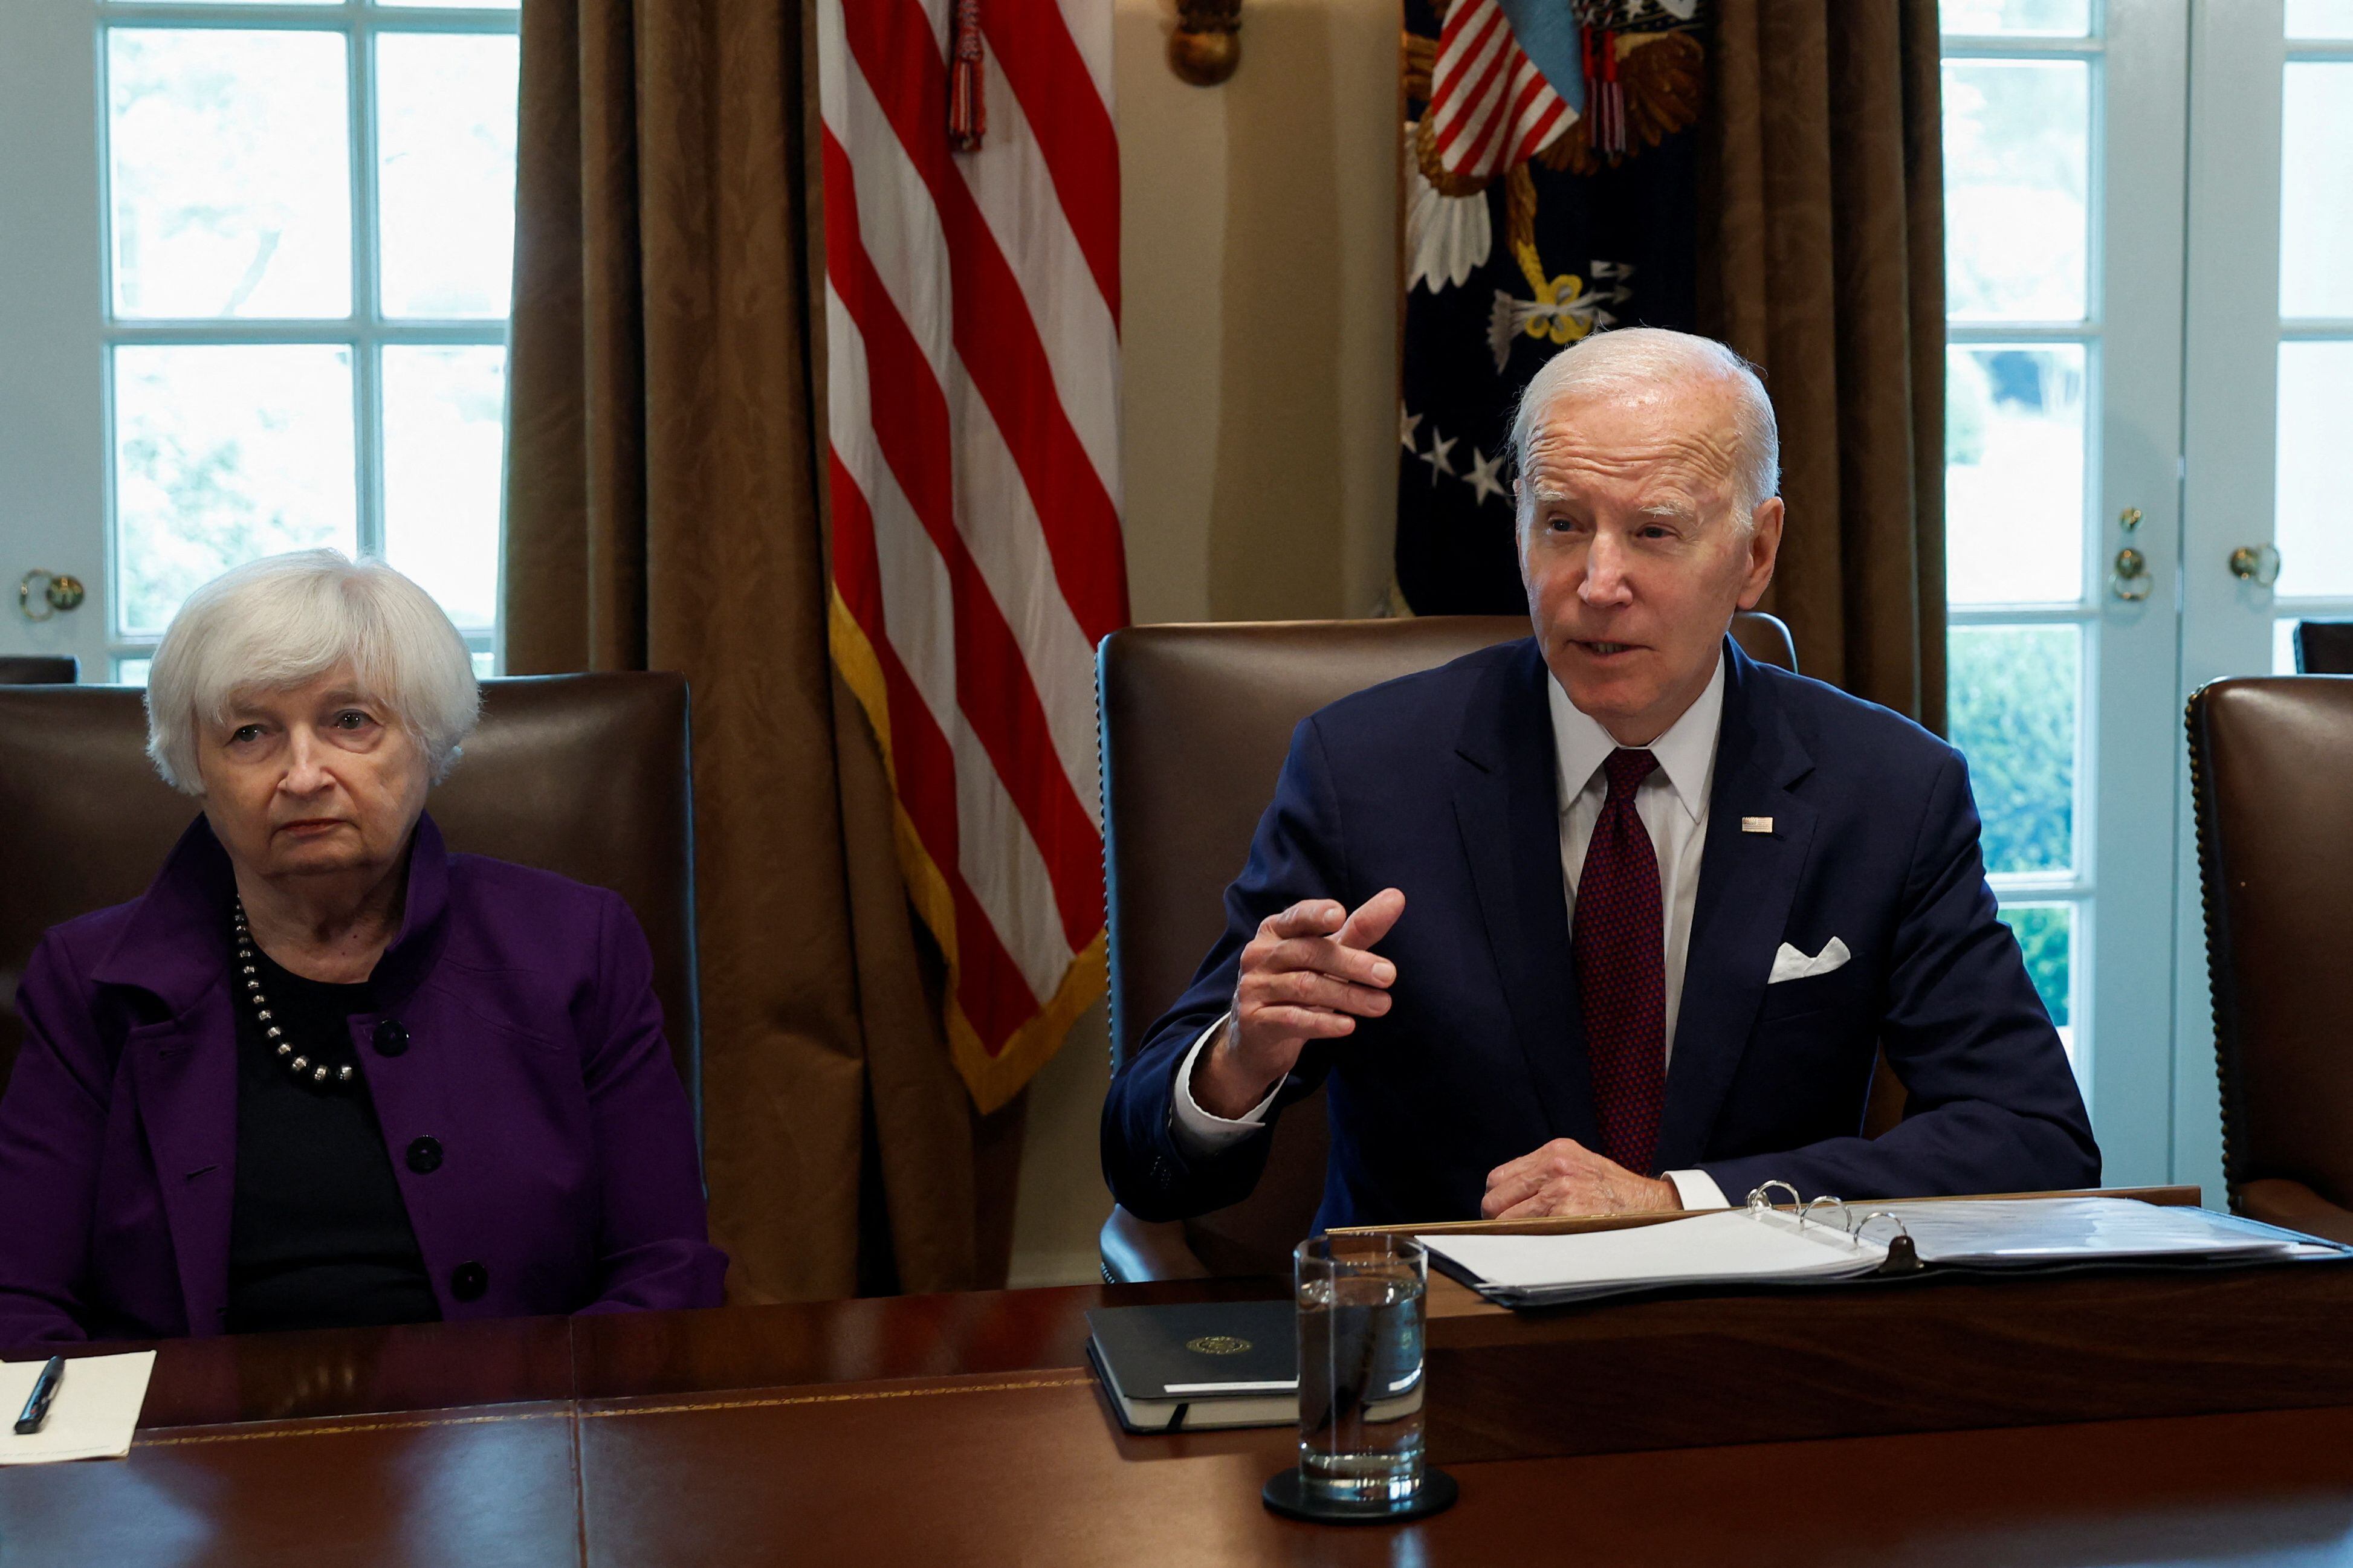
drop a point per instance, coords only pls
(58, 591)
(2131, 580)
(2256, 563)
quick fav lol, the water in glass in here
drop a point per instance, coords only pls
(1360, 1374)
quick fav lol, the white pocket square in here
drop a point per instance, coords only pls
(1790, 965)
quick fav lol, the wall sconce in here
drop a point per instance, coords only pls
(1206, 45)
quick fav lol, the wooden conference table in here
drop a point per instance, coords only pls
(964, 1430)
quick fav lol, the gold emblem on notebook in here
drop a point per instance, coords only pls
(1218, 1344)
(1756, 825)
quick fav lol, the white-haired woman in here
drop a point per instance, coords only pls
(323, 1072)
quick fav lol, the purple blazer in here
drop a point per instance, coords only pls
(520, 1029)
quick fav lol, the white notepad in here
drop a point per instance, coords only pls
(92, 1416)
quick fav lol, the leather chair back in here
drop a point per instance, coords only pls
(587, 775)
(39, 669)
(2270, 762)
(1196, 722)
(2323, 648)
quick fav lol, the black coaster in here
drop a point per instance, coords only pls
(1287, 1496)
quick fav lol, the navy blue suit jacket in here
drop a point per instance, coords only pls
(1444, 785)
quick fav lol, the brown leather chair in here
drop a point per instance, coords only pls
(2323, 648)
(2271, 768)
(587, 775)
(1196, 721)
(39, 669)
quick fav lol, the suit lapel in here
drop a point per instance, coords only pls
(1507, 810)
(184, 1072)
(1747, 881)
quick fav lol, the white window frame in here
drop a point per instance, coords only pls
(2128, 736)
(60, 208)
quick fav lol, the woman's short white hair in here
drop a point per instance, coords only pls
(284, 621)
(1635, 359)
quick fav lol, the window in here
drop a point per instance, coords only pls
(2314, 547)
(309, 215)
(2021, 89)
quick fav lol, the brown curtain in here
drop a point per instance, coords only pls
(1822, 259)
(663, 512)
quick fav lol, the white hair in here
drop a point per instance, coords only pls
(1637, 358)
(284, 621)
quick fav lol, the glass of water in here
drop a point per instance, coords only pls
(1360, 1384)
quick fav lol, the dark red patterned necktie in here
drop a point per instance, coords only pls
(1619, 947)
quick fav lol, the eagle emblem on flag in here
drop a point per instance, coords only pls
(1549, 195)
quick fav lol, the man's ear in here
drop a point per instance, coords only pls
(1762, 549)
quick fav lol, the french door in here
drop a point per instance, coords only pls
(2150, 278)
(2063, 158)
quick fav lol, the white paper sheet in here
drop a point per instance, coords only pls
(92, 1416)
(2025, 1232)
(1728, 1247)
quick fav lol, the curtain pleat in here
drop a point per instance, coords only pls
(664, 511)
(1821, 259)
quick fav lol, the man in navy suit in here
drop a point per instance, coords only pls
(1612, 919)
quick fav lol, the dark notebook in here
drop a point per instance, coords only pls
(1218, 1363)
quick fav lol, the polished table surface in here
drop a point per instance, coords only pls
(953, 1429)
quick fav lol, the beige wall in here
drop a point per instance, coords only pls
(1259, 269)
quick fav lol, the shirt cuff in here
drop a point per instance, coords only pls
(1697, 1190)
(1200, 1134)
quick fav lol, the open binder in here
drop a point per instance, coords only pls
(1828, 1241)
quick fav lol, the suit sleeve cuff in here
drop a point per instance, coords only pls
(1199, 1133)
(1697, 1190)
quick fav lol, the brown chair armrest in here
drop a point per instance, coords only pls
(2275, 1200)
(1135, 1250)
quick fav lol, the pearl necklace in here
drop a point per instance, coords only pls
(249, 964)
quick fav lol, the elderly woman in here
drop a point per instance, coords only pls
(324, 1072)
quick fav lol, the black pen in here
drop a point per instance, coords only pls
(45, 1388)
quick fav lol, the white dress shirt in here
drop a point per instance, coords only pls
(1672, 803)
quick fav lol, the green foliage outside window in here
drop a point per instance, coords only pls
(2010, 705)
(2045, 935)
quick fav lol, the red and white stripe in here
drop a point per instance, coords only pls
(972, 319)
(1489, 105)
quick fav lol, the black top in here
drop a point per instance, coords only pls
(318, 1237)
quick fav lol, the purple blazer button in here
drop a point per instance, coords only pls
(469, 1280)
(391, 1038)
(425, 1155)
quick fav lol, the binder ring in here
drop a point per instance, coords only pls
(1757, 1200)
(1903, 1257)
(1845, 1224)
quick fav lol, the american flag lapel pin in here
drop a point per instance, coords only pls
(1756, 825)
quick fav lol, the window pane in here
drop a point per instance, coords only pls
(446, 142)
(2017, 140)
(2047, 18)
(2011, 701)
(2320, 18)
(131, 671)
(444, 411)
(231, 175)
(2315, 410)
(2315, 196)
(222, 454)
(2046, 938)
(2014, 445)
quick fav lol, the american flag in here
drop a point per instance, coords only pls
(1489, 107)
(972, 322)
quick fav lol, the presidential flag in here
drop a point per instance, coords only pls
(1550, 174)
